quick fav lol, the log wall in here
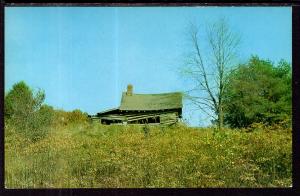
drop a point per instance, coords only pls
(157, 117)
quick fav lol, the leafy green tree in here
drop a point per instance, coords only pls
(258, 91)
(23, 108)
(20, 101)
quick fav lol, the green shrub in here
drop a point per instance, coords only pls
(66, 118)
(77, 116)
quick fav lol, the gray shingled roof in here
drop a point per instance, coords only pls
(151, 101)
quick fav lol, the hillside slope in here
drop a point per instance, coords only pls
(93, 155)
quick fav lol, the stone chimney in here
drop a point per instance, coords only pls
(129, 90)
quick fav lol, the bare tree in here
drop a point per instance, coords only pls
(209, 72)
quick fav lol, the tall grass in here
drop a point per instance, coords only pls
(93, 155)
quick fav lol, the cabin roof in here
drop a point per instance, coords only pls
(151, 101)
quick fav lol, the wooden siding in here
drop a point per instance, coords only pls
(161, 117)
(169, 118)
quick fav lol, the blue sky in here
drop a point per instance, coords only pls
(84, 57)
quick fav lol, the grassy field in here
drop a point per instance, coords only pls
(93, 155)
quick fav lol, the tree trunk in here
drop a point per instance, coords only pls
(220, 118)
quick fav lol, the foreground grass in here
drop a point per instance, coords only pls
(92, 155)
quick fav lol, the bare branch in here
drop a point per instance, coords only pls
(223, 44)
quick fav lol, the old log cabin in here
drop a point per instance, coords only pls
(165, 108)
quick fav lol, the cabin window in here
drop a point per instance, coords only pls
(154, 120)
(157, 119)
